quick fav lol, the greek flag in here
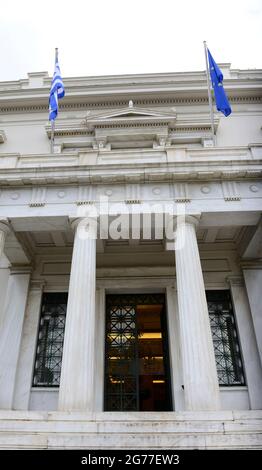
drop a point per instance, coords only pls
(216, 77)
(57, 91)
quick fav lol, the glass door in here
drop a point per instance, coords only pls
(136, 362)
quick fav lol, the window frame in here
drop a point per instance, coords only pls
(234, 343)
(63, 301)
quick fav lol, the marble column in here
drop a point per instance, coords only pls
(11, 327)
(78, 366)
(199, 367)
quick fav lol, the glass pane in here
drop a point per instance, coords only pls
(135, 376)
(152, 381)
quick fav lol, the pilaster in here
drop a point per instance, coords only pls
(25, 367)
(253, 371)
(252, 272)
(11, 326)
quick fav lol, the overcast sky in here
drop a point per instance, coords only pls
(107, 37)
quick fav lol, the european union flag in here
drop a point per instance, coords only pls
(216, 76)
(57, 91)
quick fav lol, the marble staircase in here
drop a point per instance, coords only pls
(155, 430)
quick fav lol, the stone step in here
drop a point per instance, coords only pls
(171, 430)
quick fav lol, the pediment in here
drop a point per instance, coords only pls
(130, 115)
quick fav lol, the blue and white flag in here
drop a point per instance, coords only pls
(57, 91)
(216, 76)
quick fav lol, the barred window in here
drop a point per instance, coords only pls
(49, 351)
(225, 338)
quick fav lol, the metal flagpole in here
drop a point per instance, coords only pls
(52, 135)
(210, 97)
(53, 121)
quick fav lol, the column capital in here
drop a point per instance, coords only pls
(37, 284)
(26, 269)
(5, 226)
(192, 219)
(251, 264)
(75, 221)
(85, 227)
(235, 281)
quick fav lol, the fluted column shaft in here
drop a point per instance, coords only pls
(77, 375)
(199, 367)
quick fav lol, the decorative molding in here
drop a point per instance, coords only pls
(109, 104)
(235, 281)
(254, 188)
(180, 192)
(251, 264)
(85, 195)
(196, 165)
(205, 189)
(132, 201)
(81, 203)
(62, 130)
(133, 193)
(26, 269)
(132, 124)
(230, 191)
(59, 176)
(38, 196)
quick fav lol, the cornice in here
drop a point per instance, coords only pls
(74, 172)
(86, 104)
(67, 130)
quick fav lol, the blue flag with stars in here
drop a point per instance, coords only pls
(57, 91)
(216, 76)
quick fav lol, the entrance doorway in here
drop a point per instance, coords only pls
(136, 355)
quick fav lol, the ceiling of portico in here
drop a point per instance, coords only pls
(45, 241)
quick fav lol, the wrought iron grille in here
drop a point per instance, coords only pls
(122, 358)
(225, 338)
(50, 340)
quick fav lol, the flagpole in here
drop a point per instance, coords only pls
(210, 97)
(53, 121)
(52, 136)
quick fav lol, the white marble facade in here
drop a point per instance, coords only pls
(129, 145)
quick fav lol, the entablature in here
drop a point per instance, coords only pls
(89, 166)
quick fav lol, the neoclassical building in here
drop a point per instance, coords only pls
(112, 333)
